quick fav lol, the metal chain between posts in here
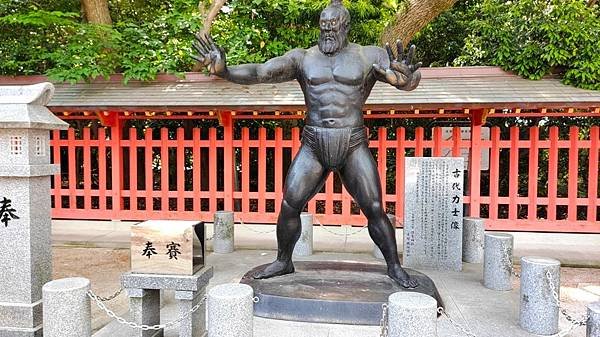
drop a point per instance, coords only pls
(111, 297)
(143, 327)
(463, 330)
(254, 230)
(339, 234)
(507, 261)
(573, 322)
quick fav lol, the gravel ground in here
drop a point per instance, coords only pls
(104, 266)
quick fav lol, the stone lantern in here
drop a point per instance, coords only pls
(25, 171)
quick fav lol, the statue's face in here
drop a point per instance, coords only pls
(333, 31)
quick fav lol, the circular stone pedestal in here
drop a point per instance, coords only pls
(331, 292)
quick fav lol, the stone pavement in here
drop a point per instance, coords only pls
(486, 312)
(575, 250)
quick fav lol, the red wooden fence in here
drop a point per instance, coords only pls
(190, 176)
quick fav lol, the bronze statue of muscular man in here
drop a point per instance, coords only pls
(336, 77)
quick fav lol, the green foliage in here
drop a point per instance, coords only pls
(530, 37)
(441, 41)
(147, 41)
(256, 30)
(534, 38)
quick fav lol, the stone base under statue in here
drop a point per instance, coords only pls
(331, 292)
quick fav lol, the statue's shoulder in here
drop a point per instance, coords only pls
(373, 53)
(296, 54)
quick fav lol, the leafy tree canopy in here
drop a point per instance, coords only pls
(530, 37)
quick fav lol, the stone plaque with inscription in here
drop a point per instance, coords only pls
(433, 213)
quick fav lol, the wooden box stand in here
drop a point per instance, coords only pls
(167, 247)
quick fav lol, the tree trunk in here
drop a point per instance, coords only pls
(96, 11)
(413, 17)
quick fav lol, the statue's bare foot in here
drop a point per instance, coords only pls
(401, 276)
(276, 268)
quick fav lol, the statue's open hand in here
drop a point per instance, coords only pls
(402, 72)
(209, 54)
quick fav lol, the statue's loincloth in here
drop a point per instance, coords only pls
(333, 145)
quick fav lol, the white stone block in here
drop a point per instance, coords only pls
(67, 311)
(230, 310)
(412, 314)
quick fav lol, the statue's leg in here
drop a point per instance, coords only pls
(305, 178)
(361, 179)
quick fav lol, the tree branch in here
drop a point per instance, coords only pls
(591, 3)
(414, 16)
(214, 10)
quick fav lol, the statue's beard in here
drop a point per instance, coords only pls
(330, 42)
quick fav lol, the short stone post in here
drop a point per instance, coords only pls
(376, 251)
(411, 314)
(230, 310)
(304, 246)
(593, 322)
(540, 283)
(223, 239)
(497, 261)
(473, 231)
(25, 171)
(144, 308)
(192, 325)
(67, 311)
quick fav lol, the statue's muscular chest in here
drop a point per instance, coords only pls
(347, 69)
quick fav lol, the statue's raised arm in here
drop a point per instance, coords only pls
(279, 69)
(400, 71)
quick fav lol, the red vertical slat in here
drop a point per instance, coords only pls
(593, 174)
(212, 169)
(149, 172)
(295, 142)
(475, 171)
(494, 172)
(116, 134)
(180, 170)
(164, 171)
(228, 160)
(87, 175)
(278, 168)
(532, 191)
(382, 161)
(552, 173)
(329, 195)
(72, 168)
(456, 140)
(419, 137)
(197, 170)
(437, 142)
(400, 155)
(57, 177)
(245, 171)
(133, 169)
(262, 169)
(513, 177)
(573, 172)
(102, 169)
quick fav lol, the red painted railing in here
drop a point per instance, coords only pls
(162, 174)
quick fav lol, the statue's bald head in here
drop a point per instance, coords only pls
(334, 23)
